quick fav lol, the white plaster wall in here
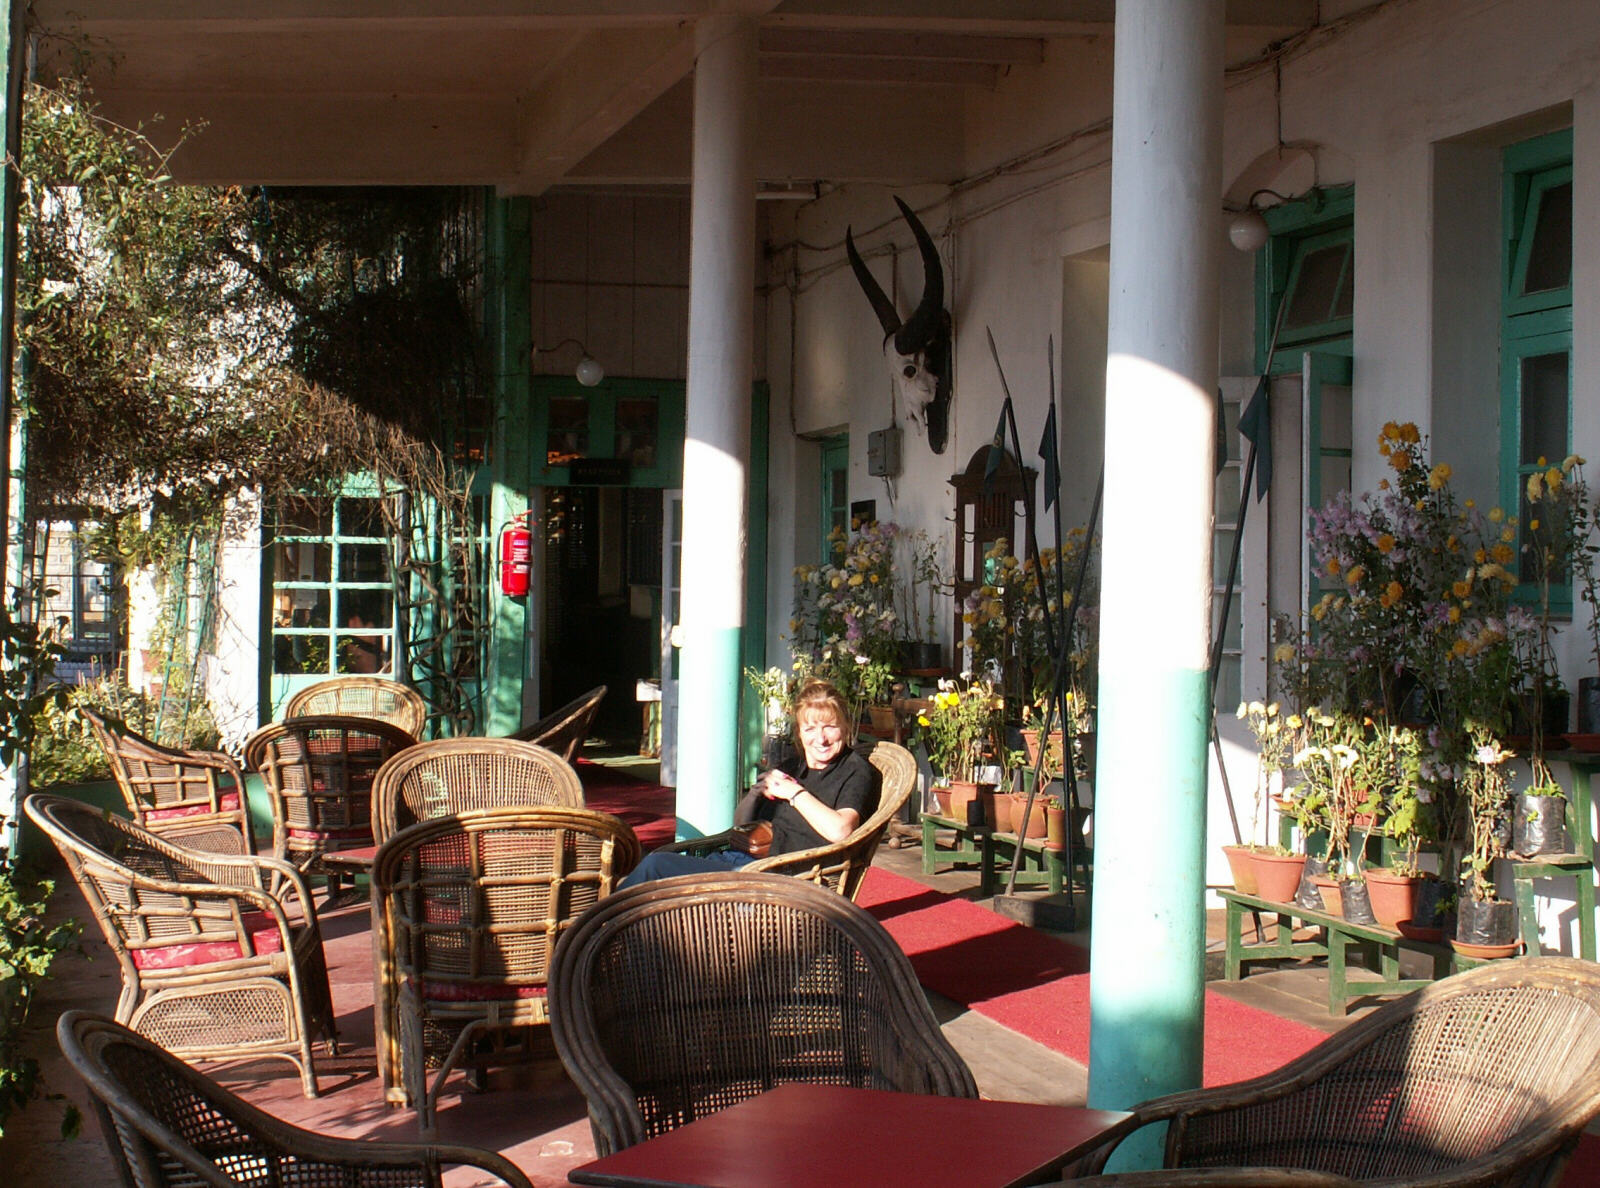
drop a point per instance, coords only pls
(1410, 102)
(231, 670)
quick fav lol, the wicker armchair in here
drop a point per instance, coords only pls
(170, 1127)
(221, 956)
(318, 773)
(841, 865)
(199, 794)
(453, 775)
(466, 913)
(564, 730)
(362, 697)
(1487, 1077)
(678, 998)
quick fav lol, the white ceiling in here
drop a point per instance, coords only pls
(525, 94)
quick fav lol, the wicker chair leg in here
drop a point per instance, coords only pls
(426, 1123)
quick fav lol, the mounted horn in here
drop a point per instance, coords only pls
(923, 324)
(920, 367)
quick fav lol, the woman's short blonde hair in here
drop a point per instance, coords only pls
(817, 694)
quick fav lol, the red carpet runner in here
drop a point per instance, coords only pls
(1039, 986)
(650, 809)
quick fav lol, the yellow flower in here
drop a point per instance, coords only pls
(1472, 503)
(1496, 514)
(1459, 648)
(1479, 556)
(1333, 566)
(873, 578)
(922, 720)
(1508, 533)
(1400, 461)
(1355, 574)
(836, 583)
(1461, 589)
(1503, 554)
(1383, 484)
(1283, 653)
(1552, 479)
(1385, 543)
(1535, 487)
(1533, 525)
(855, 579)
(1440, 475)
(1571, 461)
(1409, 433)
(1391, 431)
(1455, 614)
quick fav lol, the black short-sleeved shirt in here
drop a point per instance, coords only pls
(849, 782)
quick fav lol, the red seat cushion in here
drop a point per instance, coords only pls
(264, 936)
(361, 833)
(228, 802)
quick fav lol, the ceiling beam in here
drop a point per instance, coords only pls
(188, 17)
(890, 44)
(816, 68)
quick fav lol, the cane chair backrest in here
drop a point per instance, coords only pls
(467, 911)
(1459, 1082)
(843, 865)
(677, 998)
(455, 775)
(362, 697)
(197, 793)
(220, 955)
(565, 730)
(168, 1126)
(318, 771)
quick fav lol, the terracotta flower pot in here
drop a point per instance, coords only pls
(1055, 834)
(1332, 900)
(1036, 819)
(1394, 896)
(1241, 861)
(997, 808)
(1277, 875)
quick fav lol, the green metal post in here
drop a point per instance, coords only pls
(509, 231)
(12, 43)
(1148, 946)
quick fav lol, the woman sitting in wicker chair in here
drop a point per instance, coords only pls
(814, 799)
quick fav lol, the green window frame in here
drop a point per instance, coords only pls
(613, 421)
(1535, 329)
(1307, 267)
(329, 557)
(1224, 528)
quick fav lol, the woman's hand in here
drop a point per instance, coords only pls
(778, 785)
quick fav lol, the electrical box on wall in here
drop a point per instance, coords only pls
(883, 452)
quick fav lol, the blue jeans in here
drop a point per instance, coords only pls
(665, 864)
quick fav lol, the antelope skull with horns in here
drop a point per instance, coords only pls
(920, 361)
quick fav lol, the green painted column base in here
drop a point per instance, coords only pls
(709, 674)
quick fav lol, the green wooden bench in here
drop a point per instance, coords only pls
(1381, 947)
(991, 853)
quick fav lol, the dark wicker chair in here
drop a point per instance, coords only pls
(318, 773)
(841, 865)
(362, 697)
(1487, 1077)
(466, 914)
(221, 955)
(199, 794)
(564, 730)
(170, 1127)
(454, 775)
(678, 998)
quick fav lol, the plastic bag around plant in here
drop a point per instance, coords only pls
(1539, 826)
(1308, 896)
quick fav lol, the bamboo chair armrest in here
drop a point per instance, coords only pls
(257, 871)
(709, 844)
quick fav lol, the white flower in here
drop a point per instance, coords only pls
(860, 659)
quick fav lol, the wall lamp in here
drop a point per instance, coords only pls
(1248, 230)
(588, 372)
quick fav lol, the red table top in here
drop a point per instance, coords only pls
(800, 1136)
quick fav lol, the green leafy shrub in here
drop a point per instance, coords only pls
(64, 751)
(29, 945)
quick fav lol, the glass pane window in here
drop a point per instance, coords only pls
(569, 430)
(1318, 289)
(1550, 251)
(333, 605)
(1543, 382)
(638, 429)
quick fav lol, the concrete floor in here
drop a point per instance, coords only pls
(534, 1115)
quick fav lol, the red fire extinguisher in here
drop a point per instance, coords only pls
(516, 555)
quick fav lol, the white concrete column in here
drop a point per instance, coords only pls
(716, 448)
(1148, 947)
